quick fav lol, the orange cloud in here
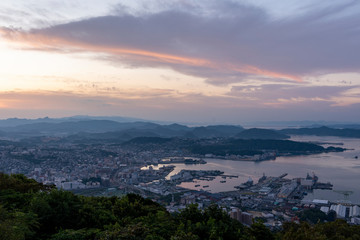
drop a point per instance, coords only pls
(44, 42)
(257, 71)
(3, 105)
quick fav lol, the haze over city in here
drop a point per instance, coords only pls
(195, 61)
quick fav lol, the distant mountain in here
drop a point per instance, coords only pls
(65, 128)
(258, 146)
(229, 146)
(177, 127)
(352, 126)
(88, 125)
(258, 133)
(13, 122)
(296, 124)
(123, 131)
(108, 129)
(215, 131)
(148, 140)
(155, 130)
(227, 130)
(204, 132)
(323, 131)
(111, 118)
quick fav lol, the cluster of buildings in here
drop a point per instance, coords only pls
(119, 168)
(71, 166)
(344, 211)
(273, 199)
(266, 155)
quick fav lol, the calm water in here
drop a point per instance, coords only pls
(341, 169)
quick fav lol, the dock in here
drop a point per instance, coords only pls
(229, 176)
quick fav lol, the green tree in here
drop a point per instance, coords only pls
(338, 229)
(56, 210)
(212, 223)
(312, 215)
(302, 231)
(16, 225)
(81, 234)
(331, 216)
(260, 232)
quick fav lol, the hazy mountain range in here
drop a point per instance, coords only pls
(123, 129)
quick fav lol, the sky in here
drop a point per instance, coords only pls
(205, 61)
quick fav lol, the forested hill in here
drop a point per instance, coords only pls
(223, 147)
(323, 131)
(118, 130)
(29, 210)
(258, 133)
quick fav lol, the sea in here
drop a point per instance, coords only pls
(342, 169)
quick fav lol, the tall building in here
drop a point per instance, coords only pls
(243, 217)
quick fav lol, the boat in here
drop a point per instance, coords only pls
(249, 182)
(241, 186)
(262, 179)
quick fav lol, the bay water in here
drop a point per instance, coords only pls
(342, 169)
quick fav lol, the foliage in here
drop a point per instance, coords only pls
(256, 146)
(312, 215)
(20, 183)
(70, 234)
(316, 216)
(336, 230)
(29, 210)
(212, 223)
(324, 131)
(16, 225)
(260, 232)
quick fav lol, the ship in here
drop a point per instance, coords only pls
(246, 184)
(249, 182)
(314, 178)
(263, 178)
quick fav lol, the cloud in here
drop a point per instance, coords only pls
(223, 42)
(285, 95)
(226, 42)
(175, 106)
(147, 103)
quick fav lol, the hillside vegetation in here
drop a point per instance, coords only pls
(29, 210)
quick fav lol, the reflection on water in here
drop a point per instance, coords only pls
(340, 168)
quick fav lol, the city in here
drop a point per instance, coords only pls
(179, 120)
(117, 169)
